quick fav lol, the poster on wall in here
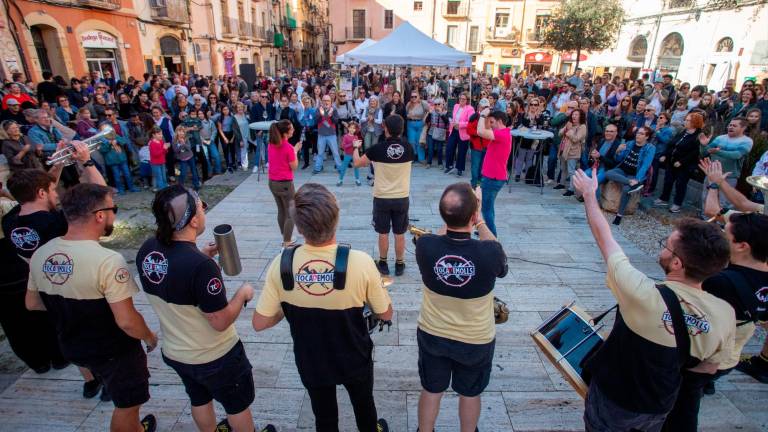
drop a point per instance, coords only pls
(229, 63)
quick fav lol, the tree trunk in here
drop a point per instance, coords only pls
(578, 55)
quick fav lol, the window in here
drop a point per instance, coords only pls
(638, 49)
(388, 19)
(474, 42)
(542, 21)
(418, 6)
(452, 35)
(676, 4)
(502, 18)
(358, 23)
(453, 7)
(225, 18)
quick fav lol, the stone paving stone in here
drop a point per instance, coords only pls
(526, 392)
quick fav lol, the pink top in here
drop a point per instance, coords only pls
(280, 157)
(461, 119)
(347, 144)
(157, 152)
(495, 161)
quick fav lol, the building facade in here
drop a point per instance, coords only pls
(696, 41)
(74, 37)
(499, 34)
(165, 33)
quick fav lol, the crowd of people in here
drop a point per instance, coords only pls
(169, 129)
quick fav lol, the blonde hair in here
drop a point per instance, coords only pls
(179, 130)
(238, 106)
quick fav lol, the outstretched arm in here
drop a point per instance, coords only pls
(587, 187)
(714, 171)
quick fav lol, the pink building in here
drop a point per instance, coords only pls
(353, 21)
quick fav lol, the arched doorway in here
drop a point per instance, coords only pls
(171, 56)
(257, 62)
(724, 45)
(101, 52)
(48, 49)
(671, 51)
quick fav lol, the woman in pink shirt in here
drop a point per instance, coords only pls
(282, 163)
(458, 136)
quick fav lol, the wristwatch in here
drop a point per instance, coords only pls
(713, 185)
(89, 163)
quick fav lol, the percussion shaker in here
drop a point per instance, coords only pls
(229, 257)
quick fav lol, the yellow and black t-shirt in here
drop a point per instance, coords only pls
(77, 280)
(392, 161)
(183, 284)
(330, 339)
(459, 274)
(638, 366)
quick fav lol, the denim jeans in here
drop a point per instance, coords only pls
(344, 165)
(600, 178)
(260, 144)
(414, 133)
(450, 148)
(189, 165)
(619, 176)
(434, 148)
(523, 161)
(476, 158)
(159, 181)
(552, 160)
(490, 188)
(117, 171)
(322, 142)
(571, 165)
(214, 158)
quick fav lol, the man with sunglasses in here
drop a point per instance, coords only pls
(662, 331)
(185, 287)
(88, 292)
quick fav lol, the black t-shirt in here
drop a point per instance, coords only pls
(180, 273)
(27, 233)
(756, 291)
(631, 160)
(48, 91)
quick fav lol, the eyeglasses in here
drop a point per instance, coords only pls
(108, 115)
(113, 208)
(534, 104)
(414, 97)
(649, 110)
(663, 245)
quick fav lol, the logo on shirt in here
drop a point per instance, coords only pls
(762, 294)
(395, 151)
(315, 277)
(214, 286)
(122, 275)
(57, 268)
(695, 320)
(454, 270)
(154, 267)
(25, 238)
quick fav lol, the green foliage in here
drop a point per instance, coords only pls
(584, 25)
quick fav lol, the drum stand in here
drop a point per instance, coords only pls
(539, 155)
(260, 148)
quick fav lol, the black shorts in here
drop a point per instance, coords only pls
(125, 377)
(466, 367)
(390, 212)
(227, 379)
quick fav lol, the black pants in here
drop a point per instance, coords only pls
(31, 334)
(360, 391)
(684, 416)
(230, 150)
(678, 178)
(309, 147)
(201, 159)
(170, 165)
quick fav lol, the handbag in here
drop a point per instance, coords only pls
(439, 134)
(423, 137)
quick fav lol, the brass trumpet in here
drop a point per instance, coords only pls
(417, 232)
(66, 155)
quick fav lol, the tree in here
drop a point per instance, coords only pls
(584, 25)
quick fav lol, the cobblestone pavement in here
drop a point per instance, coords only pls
(525, 393)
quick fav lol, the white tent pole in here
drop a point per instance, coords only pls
(470, 84)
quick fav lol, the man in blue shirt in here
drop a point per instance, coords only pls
(43, 133)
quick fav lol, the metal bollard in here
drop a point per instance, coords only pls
(229, 257)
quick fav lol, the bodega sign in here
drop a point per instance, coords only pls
(98, 39)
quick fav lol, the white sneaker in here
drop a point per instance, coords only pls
(660, 203)
(674, 209)
(255, 169)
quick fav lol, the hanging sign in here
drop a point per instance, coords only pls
(98, 39)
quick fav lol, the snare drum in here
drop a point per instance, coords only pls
(568, 340)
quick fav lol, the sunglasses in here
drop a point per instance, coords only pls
(649, 110)
(114, 209)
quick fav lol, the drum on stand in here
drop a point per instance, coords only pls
(568, 340)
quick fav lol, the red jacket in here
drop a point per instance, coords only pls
(475, 141)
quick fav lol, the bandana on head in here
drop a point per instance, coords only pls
(182, 208)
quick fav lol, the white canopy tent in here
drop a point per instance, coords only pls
(344, 58)
(407, 46)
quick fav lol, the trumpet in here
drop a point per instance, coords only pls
(65, 155)
(760, 182)
(417, 232)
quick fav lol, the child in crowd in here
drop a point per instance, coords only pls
(183, 151)
(145, 168)
(157, 150)
(347, 146)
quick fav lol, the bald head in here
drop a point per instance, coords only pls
(458, 205)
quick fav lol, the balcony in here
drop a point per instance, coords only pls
(258, 32)
(269, 36)
(503, 36)
(229, 26)
(356, 33)
(100, 4)
(534, 35)
(455, 10)
(246, 29)
(169, 11)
